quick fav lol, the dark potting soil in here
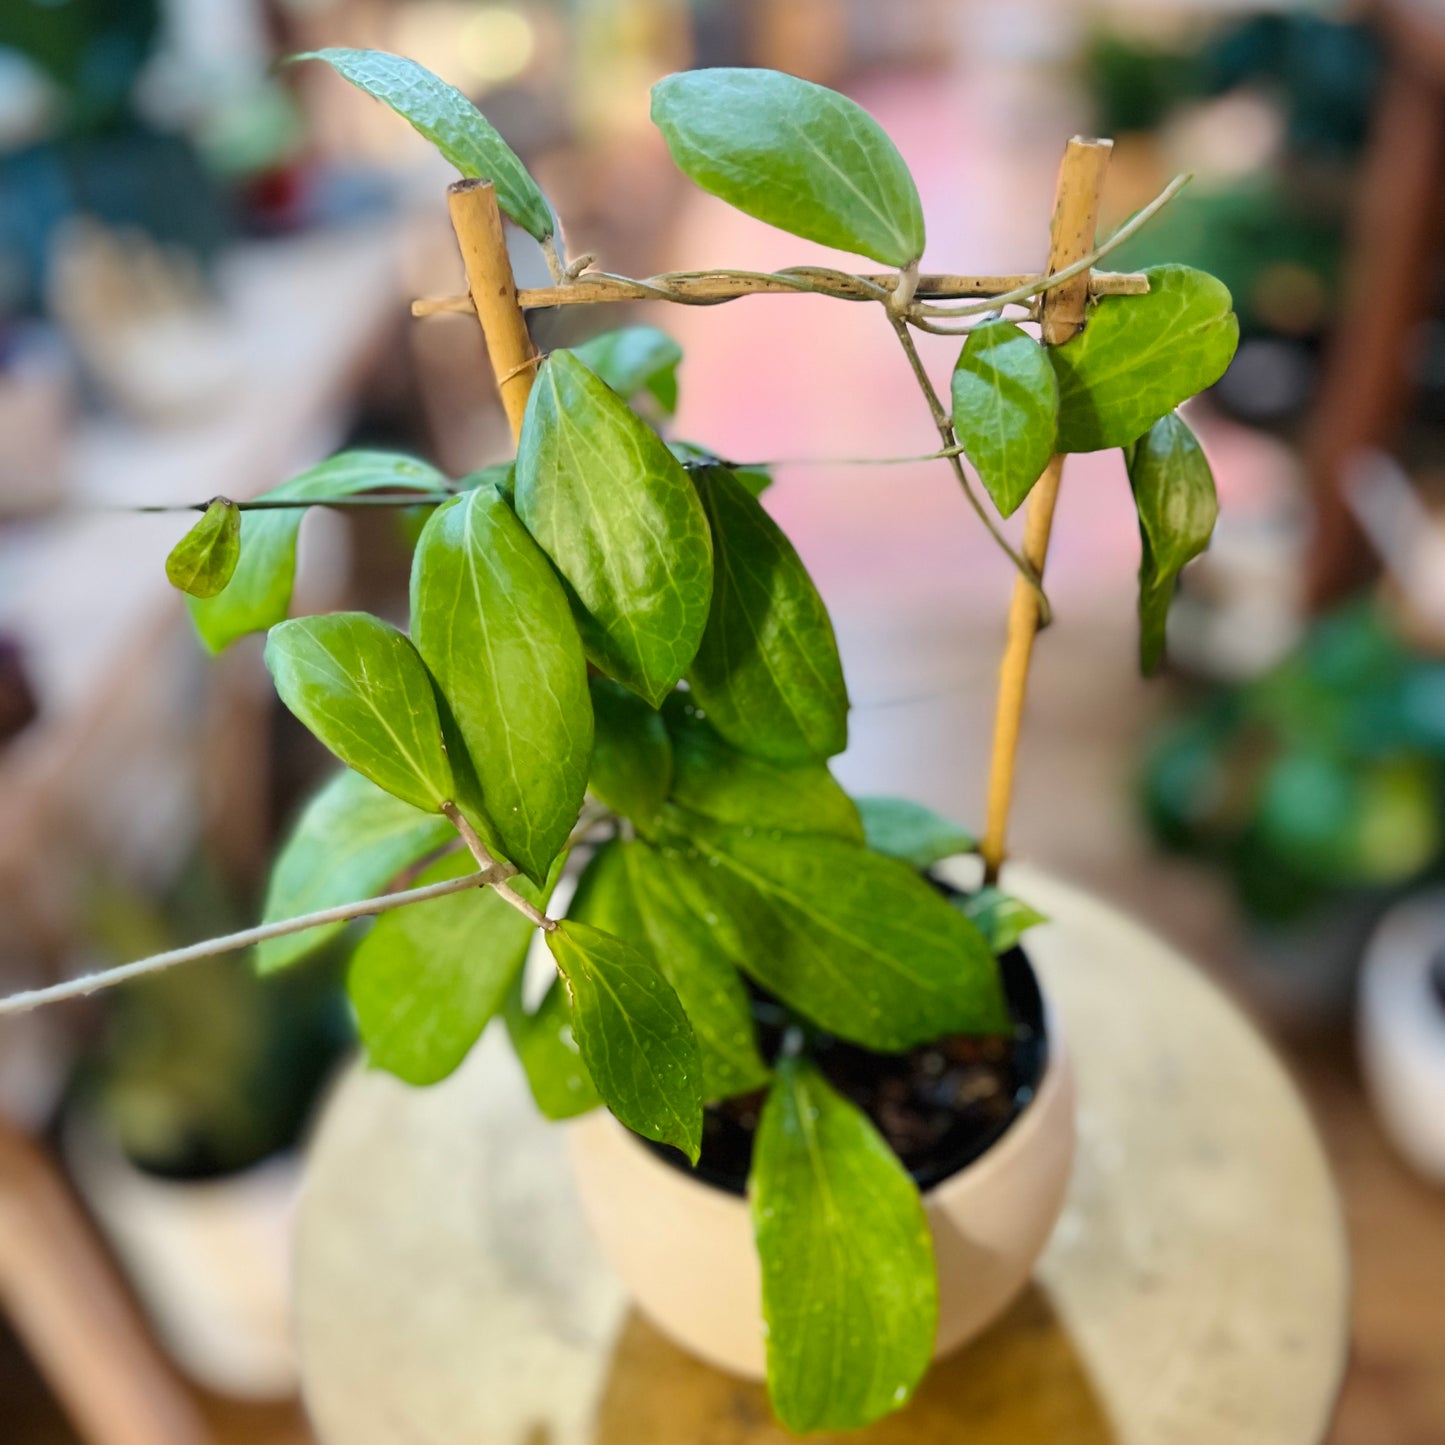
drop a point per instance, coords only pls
(939, 1106)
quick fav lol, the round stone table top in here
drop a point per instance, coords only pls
(1195, 1290)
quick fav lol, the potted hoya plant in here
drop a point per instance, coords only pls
(828, 1115)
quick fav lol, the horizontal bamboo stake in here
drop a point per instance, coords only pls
(704, 289)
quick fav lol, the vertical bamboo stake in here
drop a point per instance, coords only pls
(477, 220)
(1071, 237)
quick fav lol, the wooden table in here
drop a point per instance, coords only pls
(1195, 1291)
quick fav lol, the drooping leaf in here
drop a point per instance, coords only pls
(359, 685)
(427, 979)
(350, 841)
(616, 513)
(1001, 919)
(850, 1291)
(1005, 409)
(494, 626)
(204, 560)
(857, 942)
(560, 1084)
(632, 757)
(753, 475)
(628, 891)
(904, 829)
(634, 359)
(1139, 357)
(796, 155)
(445, 117)
(259, 593)
(767, 672)
(633, 1034)
(712, 778)
(1174, 493)
(699, 969)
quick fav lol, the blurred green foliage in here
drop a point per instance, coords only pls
(1325, 774)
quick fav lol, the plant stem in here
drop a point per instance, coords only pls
(711, 288)
(1071, 237)
(500, 871)
(277, 504)
(950, 451)
(477, 221)
(233, 942)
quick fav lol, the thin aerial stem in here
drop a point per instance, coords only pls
(283, 504)
(247, 938)
(950, 451)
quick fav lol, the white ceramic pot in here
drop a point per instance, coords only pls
(684, 1249)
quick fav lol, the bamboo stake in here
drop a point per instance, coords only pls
(477, 221)
(706, 288)
(1071, 236)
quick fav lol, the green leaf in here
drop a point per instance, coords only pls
(713, 778)
(904, 829)
(428, 978)
(634, 1036)
(350, 841)
(754, 476)
(633, 359)
(616, 513)
(359, 685)
(259, 593)
(1002, 920)
(628, 890)
(494, 626)
(204, 560)
(857, 942)
(1005, 409)
(850, 1291)
(442, 114)
(560, 1084)
(1174, 492)
(796, 155)
(767, 672)
(1138, 357)
(632, 757)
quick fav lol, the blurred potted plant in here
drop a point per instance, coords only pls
(840, 1121)
(1317, 788)
(182, 1132)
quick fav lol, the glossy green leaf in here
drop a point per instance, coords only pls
(1005, 409)
(427, 979)
(767, 672)
(204, 560)
(1138, 357)
(714, 779)
(494, 626)
(796, 155)
(616, 513)
(634, 359)
(259, 593)
(632, 757)
(1174, 493)
(857, 942)
(359, 685)
(629, 890)
(1001, 919)
(633, 1034)
(350, 841)
(445, 117)
(850, 1291)
(560, 1084)
(754, 476)
(904, 829)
